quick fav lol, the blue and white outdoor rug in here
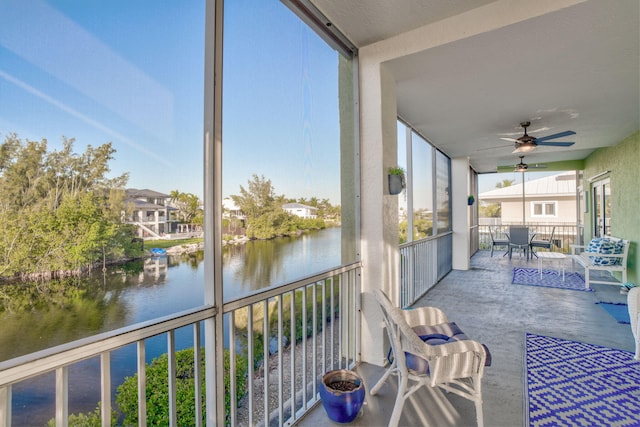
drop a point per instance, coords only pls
(570, 383)
(549, 279)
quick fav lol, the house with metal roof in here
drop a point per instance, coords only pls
(551, 199)
(150, 212)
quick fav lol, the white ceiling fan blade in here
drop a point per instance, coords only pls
(510, 139)
(493, 148)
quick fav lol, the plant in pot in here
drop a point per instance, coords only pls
(396, 180)
(470, 199)
(342, 395)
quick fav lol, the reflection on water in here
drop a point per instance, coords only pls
(39, 315)
(260, 263)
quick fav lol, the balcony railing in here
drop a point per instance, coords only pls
(564, 235)
(422, 264)
(287, 336)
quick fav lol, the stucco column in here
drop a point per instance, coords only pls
(156, 218)
(379, 210)
(460, 212)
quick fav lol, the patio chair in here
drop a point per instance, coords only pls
(497, 242)
(456, 366)
(633, 302)
(547, 244)
(519, 239)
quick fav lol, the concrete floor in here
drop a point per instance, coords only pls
(489, 308)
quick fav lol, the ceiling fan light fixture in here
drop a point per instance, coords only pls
(525, 147)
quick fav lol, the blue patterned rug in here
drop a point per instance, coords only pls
(570, 383)
(550, 279)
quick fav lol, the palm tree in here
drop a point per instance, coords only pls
(505, 183)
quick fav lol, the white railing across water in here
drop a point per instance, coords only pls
(296, 343)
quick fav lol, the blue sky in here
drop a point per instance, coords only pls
(131, 73)
(280, 112)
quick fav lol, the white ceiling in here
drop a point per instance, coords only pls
(573, 69)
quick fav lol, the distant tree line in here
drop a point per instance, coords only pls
(59, 213)
(265, 217)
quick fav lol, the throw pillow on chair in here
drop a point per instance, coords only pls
(606, 247)
(435, 335)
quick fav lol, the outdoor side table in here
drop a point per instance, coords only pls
(551, 256)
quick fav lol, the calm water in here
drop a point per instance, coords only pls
(60, 312)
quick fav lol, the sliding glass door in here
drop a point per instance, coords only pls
(602, 208)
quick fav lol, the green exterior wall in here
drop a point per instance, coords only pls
(623, 160)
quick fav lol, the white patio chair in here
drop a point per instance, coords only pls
(455, 366)
(633, 302)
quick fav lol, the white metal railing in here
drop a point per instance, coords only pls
(295, 343)
(565, 234)
(422, 264)
(58, 359)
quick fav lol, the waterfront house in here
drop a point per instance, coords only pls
(300, 210)
(231, 210)
(429, 85)
(150, 212)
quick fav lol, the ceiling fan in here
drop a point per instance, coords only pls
(527, 143)
(523, 167)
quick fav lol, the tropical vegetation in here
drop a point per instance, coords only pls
(59, 211)
(265, 217)
(189, 207)
(157, 389)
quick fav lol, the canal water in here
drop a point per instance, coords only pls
(56, 312)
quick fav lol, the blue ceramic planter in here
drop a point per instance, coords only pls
(341, 406)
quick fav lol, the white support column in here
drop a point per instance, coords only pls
(379, 210)
(105, 388)
(460, 213)
(156, 220)
(142, 384)
(5, 405)
(62, 396)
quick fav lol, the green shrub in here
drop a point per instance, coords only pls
(88, 419)
(157, 389)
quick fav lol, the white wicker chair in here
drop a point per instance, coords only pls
(456, 367)
(633, 301)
